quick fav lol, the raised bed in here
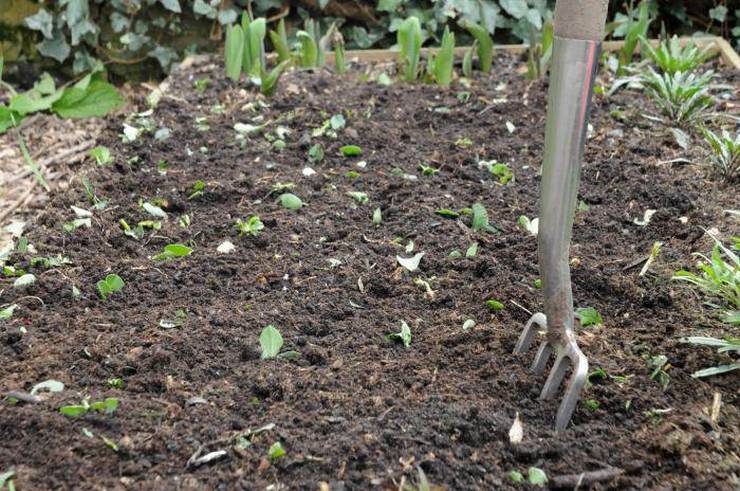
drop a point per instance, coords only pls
(354, 410)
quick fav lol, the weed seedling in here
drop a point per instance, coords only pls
(660, 366)
(107, 406)
(271, 341)
(111, 284)
(404, 336)
(276, 451)
(724, 152)
(443, 62)
(358, 196)
(172, 251)
(253, 226)
(196, 191)
(589, 316)
(102, 155)
(427, 170)
(501, 171)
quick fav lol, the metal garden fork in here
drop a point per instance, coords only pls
(579, 27)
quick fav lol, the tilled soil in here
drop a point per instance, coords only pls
(354, 410)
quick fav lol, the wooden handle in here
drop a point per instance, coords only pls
(581, 19)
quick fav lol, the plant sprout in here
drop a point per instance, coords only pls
(271, 341)
(682, 97)
(670, 57)
(484, 46)
(233, 52)
(724, 152)
(442, 64)
(253, 226)
(172, 251)
(589, 316)
(409, 40)
(404, 336)
(109, 285)
(102, 155)
(279, 40)
(539, 54)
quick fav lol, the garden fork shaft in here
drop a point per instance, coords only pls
(578, 31)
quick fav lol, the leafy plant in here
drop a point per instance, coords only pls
(271, 342)
(172, 251)
(233, 52)
(110, 284)
(683, 97)
(723, 346)
(501, 171)
(725, 152)
(279, 40)
(403, 336)
(539, 54)
(253, 53)
(589, 316)
(253, 226)
(443, 62)
(718, 278)
(313, 45)
(409, 44)
(483, 44)
(479, 222)
(107, 406)
(269, 80)
(670, 57)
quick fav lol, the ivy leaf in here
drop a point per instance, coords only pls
(41, 21)
(56, 47)
(173, 5)
(515, 8)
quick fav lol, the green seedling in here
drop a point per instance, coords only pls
(660, 366)
(494, 305)
(464, 142)
(516, 477)
(313, 45)
(683, 97)
(591, 404)
(358, 196)
(6, 478)
(502, 172)
(291, 201)
(234, 52)
(276, 451)
(102, 155)
(173, 251)
(409, 42)
(350, 150)
(636, 28)
(253, 53)
(352, 174)
(589, 316)
(532, 226)
(654, 252)
(340, 63)
(670, 57)
(111, 284)
(444, 212)
(253, 226)
(404, 336)
(483, 45)
(480, 222)
(97, 203)
(472, 250)
(116, 383)
(467, 63)
(723, 346)
(536, 476)
(271, 341)
(269, 80)
(201, 85)
(50, 261)
(279, 40)
(719, 278)
(539, 54)
(316, 152)
(443, 62)
(107, 406)
(196, 191)
(7, 312)
(427, 170)
(377, 217)
(538, 283)
(724, 152)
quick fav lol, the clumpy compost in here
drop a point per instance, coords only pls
(356, 411)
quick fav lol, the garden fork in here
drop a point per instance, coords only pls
(579, 27)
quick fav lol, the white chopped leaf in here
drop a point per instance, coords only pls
(154, 210)
(645, 218)
(25, 280)
(225, 247)
(308, 172)
(48, 385)
(468, 324)
(682, 138)
(410, 263)
(130, 133)
(81, 212)
(247, 129)
(516, 432)
(510, 127)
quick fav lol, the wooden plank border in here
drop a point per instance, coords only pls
(720, 47)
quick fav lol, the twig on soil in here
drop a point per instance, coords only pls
(521, 307)
(24, 396)
(72, 154)
(585, 479)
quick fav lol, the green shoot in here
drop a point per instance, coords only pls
(671, 57)
(280, 42)
(233, 52)
(536, 476)
(404, 336)
(269, 80)
(479, 222)
(340, 63)
(111, 284)
(271, 341)
(484, 45)
(467, 64)
(276, 451)
(719, 278)
(723, 346)
(725, 152)
(660, 366)
(107, 406)
(253, 226)
(291, 201)
(653, 256)
(682, 97)
(172, 251)
(427, 170)
(253, 54)
(589, 316)
(445, 59)
(309, 50)
(636, 29)
(102, 155)
(539, 54)
(409, 44)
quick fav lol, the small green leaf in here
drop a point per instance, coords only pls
(516, 477)
(495, 305)
(358, 196)
(102, 155)
(536, 476)
(444, 212)
(73, 410)
(276, 451)
(589, 316)
(291, 201)
(404, 336)
(350, 150)
(271, 341)
(7, 312)
(172, 251)
(472, 250)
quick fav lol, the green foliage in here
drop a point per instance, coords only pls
(683, 97)
(479, 222)
(253, 226)
(102, 155)
(501, 171)
(539, 54)
(312, 44)
(291, 201)
(279, 41)
(340, 63)
(589, 316)
(271, 341)
(233, 51)
(172, 251)
(444, 60)
(723, 346)
(276, 451)
(484, 45)
(403, 336)
(409, 43)
(269, 80)
(659, 365)
(350, 150)
(724, 152)
(110, 284)
(107, 406)
(253, 53)
(494, 305)
(670, 57)
(636, 27)
(719, 278)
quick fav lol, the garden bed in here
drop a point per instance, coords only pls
(354, 410)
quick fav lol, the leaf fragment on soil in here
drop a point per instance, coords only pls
(410, 263)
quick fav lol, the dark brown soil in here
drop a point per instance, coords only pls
(356, 411)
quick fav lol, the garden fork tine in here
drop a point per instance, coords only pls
(575, 58)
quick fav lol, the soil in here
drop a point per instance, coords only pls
(355, 410)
